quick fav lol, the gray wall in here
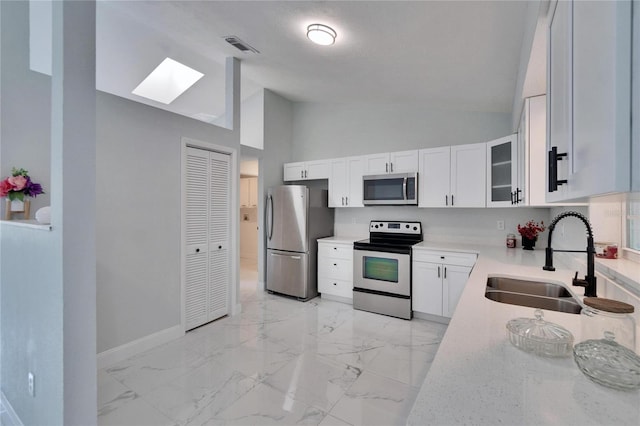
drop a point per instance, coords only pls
(278, 124)
(47, 278)
(25, 129)
(339, 130)
(138, 216)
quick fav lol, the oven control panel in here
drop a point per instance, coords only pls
(395, 227)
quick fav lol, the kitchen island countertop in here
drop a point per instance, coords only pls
(478, 377)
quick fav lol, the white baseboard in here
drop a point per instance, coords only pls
(8, 416)
(120, 353)
(334, 298)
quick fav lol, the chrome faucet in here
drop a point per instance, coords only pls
(589, 281)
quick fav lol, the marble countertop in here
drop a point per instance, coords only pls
(340, 239)
(478, 377)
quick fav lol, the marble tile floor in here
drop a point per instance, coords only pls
(278, 362)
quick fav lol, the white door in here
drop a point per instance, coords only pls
(207, 223)
(355, 171)
(294, 171)
(403, 161)
(376, 164)
(468, 175)
(454, 280)
(338, 183)
(427, 288)
(502, 172)
(434, 177)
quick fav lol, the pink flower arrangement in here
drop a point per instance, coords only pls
(19, 185)
(531, 229)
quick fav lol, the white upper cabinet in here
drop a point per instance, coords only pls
(249, 192)
(468, 175)
(391, 162)
(345, 182)
(503, 189)
(588, 105)
(452, 176)
(307, 170)
(434, 181)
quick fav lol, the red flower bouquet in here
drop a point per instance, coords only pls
(531, 229)
(19, 185)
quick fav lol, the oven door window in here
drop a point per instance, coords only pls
(380, 268)
(384, 189)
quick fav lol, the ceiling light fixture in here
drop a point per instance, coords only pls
(321, 34)
(168, 81)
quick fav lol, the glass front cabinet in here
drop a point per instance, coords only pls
(503, 186)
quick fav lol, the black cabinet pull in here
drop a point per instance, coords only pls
(518, 199)
(219, 247)
(197, 250)
(512, 202)
(554, 157)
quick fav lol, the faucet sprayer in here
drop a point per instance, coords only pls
(589, 281)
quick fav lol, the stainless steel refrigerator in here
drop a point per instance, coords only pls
(296, 217)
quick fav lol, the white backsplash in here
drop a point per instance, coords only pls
(477, 226)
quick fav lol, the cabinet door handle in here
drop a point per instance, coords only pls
(512, 201)
(386, 167)
(438, 272)
(518, 199)
(391, 167)
(554, 157)
(452, 203)
(346, 201)
(343, 201)
(306, 174)
(445, 272)
(446, 200)
(197, 250)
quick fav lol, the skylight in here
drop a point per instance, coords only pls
(169, 80)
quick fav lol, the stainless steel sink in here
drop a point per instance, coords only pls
(534, 294)
(536, 288)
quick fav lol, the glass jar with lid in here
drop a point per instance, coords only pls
(612, 316)
(607, 352)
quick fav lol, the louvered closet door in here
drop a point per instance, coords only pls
(218, 235)
(207, 236)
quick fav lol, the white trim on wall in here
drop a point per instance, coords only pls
(122, 352)
(234, 246)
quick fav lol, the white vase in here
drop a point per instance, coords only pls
(17, 206)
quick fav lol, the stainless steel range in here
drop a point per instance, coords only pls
(382, 268)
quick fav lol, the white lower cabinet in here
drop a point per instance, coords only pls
(335, 269)
(438, 280)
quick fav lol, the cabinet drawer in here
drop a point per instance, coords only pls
(335, 287)
(338, 269)
(335, 251)
(445, 257)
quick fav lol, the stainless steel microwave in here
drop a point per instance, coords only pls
(390, 189)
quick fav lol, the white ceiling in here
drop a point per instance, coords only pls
(454, 54)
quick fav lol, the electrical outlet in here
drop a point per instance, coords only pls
(500, 225)
(32, 384)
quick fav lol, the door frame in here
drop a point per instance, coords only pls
(234, 235)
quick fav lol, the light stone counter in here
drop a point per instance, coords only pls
(341, 239)
(479, 378)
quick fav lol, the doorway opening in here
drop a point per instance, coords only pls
(249, 229)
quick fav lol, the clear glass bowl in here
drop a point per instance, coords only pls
(540, 337)
(608, 363)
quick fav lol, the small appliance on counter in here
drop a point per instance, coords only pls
(296, 217)
(382, 268)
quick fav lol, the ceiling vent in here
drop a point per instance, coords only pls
(240, 45)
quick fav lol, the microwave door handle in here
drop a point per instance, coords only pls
(404, 188)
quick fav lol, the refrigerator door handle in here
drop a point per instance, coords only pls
(270, 217)
(286, 255)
